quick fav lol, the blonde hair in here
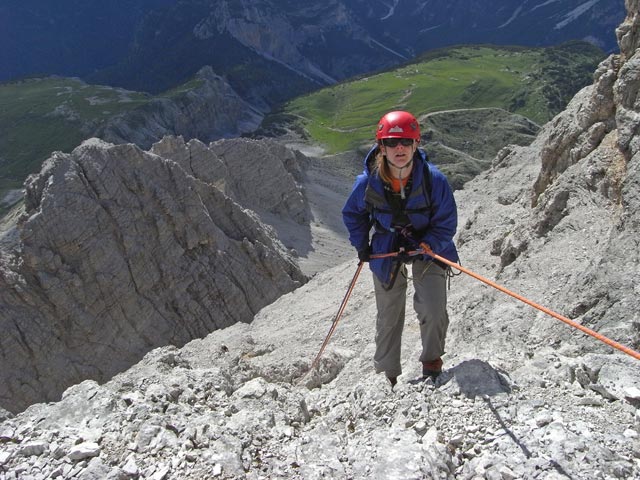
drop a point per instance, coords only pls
(382, 167)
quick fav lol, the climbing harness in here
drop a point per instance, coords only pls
(403, 254)
(337, 317)
(588, 331)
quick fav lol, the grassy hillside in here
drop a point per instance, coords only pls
(536, 83)
(463, 143)
(42, 115)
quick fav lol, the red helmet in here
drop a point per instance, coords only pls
(398, 125)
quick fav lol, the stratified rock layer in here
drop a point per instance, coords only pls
(121, 251)
(577, 227)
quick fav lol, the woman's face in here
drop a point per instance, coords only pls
(399, 151)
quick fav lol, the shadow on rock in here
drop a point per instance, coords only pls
(475, 377)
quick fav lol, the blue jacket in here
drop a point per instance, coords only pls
(434, 222)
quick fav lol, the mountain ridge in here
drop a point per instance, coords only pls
(119, 250)
(172, 40)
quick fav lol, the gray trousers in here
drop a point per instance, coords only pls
(430, 304)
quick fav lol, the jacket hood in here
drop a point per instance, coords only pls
(370, 159)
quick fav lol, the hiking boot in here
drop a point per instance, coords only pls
(393, 381)
(432, 369)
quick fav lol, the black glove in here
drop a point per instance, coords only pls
(364, 255)
(404, 257)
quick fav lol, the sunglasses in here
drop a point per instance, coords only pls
(393, 142)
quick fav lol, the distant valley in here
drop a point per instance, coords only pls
(55, 113)
(133, 71)
(272, 50)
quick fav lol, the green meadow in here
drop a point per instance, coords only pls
(43, 115)
(535, 83)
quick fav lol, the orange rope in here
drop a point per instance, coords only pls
(337, 317)
(584, 329)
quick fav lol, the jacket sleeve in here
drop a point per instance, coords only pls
(356, 216)
(444, 217)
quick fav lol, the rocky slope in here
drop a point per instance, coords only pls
(574, 220)
(464, 142)
(210, 111)
(121, 250)
(236, 405)
(523, 395)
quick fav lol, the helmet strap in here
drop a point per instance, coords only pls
(402, 194)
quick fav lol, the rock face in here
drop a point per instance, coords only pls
(211, 111)
(260, 175)
(121, 251)
(566, 209)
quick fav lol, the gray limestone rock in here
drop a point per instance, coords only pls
(258, 174)
(210, 111)
(122, 251)
(84, 450)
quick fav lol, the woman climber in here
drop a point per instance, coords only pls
(408, 203)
